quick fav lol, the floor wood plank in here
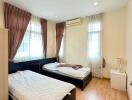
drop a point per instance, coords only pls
(99, 89)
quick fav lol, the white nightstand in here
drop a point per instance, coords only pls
(118, 80)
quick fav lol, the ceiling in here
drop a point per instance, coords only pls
(61, 10)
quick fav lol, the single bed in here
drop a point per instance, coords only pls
(21, 67)
(80, 77)
(29, 85)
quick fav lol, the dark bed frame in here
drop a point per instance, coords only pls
(81, 83)
(36, 66)
(32, 65)
(71, 96)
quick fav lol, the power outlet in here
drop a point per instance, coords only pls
(131, 83)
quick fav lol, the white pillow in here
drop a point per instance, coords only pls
(51, 66)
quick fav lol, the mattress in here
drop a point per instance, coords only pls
(28, 85)
(80, 73)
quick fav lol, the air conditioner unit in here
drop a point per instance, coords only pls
(74, 22)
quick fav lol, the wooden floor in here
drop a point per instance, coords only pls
(99, 89)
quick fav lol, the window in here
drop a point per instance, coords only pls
(94, 38)
(61, 52)
(95, 44)
(31, 47)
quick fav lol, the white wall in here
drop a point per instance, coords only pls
(114, 33)
(114, 27)
(129, 47)
(3, 64)
(51, 39)
(1, 14)
(76, 43)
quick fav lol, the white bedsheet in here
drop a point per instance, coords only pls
(28, 85)
(80, 73)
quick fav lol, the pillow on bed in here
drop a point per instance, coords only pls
(76, 67)
(65, 65)
(14, 74)
(51, 66)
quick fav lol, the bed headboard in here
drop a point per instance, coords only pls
(29, 65)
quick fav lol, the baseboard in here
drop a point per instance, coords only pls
(102, 78)
(106, 78)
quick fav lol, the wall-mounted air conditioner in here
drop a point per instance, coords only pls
(74, 22)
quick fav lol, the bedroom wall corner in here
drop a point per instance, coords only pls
(114, 41)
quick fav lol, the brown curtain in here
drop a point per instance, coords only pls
(16, 21)
(59, 34)
(44, 35)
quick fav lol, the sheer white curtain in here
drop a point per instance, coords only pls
(62, 47)
(95, 44)
(31, 47)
